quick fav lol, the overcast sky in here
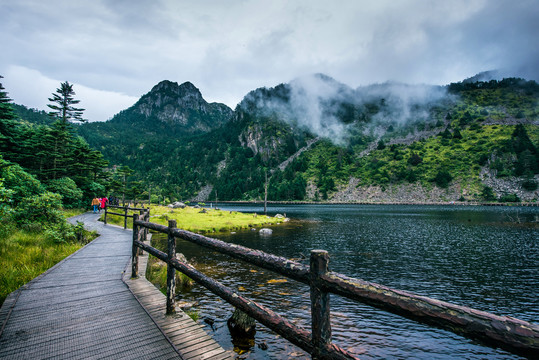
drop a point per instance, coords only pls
(114, 51)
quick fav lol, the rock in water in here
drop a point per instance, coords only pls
(265, 231)
(241, 325)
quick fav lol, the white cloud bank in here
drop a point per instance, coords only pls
(227, 48)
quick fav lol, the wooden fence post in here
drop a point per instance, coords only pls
(171, 271)
(134, 249)
(145, 216)
(320, 310)
(125, 218)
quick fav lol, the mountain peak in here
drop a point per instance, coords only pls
(181, 106)
(187, 89)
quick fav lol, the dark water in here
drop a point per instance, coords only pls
(481, 257)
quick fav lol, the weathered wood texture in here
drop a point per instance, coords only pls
(320, 309)
(265, 316)
(171, 272)
(515, 335)
(512, 334)
(189, 338)
(281, 265)
(81, 308)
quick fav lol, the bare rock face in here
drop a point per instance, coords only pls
(401, 193)
(182, 105)
(507, 185)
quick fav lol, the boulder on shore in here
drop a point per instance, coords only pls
(177, 205)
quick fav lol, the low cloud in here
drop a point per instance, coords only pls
(329, 109)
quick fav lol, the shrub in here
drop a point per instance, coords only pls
(415, 159)
(487, 194)
(44, 208)
(20, 183)
(67, 188)
(529, 184)
(509, 198)
(443, 178)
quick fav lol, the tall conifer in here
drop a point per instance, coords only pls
(63, 102)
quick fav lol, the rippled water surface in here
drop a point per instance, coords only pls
(481, 257)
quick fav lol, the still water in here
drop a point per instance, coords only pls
(481, 257)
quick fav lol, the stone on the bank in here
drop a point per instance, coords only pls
(177, 205)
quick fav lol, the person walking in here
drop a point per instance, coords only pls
(95, 204)
(104, 202)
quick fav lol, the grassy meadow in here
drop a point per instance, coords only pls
(201, 220)
(27, 253)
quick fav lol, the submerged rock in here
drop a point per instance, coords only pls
(241, 325)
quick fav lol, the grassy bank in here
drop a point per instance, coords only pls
(201, 220)
(27, 253)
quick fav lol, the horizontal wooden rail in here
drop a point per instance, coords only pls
(515, 335)
(113, 213)
(272, 320)
(507, 332)
(124, 214)
(126, 207)
(281, 265)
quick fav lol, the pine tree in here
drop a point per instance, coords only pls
(63, 104)
(9, 130)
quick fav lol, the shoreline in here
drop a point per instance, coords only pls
(452, 203)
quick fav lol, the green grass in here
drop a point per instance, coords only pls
(193, 219)
(73, 212)
(156, 273)
(25, 255)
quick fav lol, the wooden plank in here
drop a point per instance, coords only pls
(80, 308)
(197, 351)
(194, 336)
(217, 354)
(205, 344)
(181, 330)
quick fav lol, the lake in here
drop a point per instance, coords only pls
(481, 257)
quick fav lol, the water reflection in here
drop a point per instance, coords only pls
(481, 257)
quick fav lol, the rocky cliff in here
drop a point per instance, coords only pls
(182, 106)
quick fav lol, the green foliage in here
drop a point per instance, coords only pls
(51, 153)
(193, 314)
(21, 184)
(414, 159)
(42, 208)
(487, 194)
(62, 104)
(67, 188)
(509, 198)
(529, 184)
(443, 178)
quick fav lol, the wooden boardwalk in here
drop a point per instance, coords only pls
(82, 308)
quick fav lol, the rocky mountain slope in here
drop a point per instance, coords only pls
(318, 139)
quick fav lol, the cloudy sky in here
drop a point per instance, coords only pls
(114, 51)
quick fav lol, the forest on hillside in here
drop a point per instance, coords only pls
(450, 141)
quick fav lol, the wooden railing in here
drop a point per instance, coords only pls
(514, 335)
(124, 212)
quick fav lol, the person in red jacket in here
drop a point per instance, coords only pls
(103, 202)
